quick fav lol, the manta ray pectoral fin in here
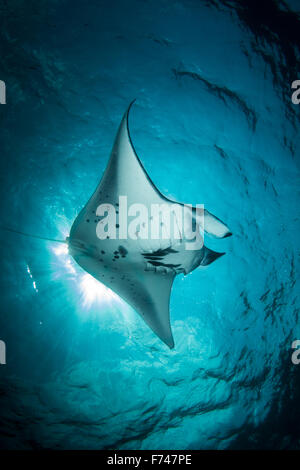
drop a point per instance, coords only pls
(148, 292)
(211, 224)
(209, 256)
(150, 297)
(125, 174)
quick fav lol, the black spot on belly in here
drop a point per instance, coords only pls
(87, 220)
(103, 252)
(122, 251)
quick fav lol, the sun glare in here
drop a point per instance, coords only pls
(91, 290)
(61, 249)
(94, 291)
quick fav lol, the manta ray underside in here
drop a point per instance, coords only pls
(139, 270)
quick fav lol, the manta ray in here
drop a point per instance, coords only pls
(141, 271)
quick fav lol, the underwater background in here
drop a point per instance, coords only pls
(213, 124)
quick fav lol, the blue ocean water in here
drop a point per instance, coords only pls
(213, 124)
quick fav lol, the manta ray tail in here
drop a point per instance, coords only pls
(32, 236)
(210, 256)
